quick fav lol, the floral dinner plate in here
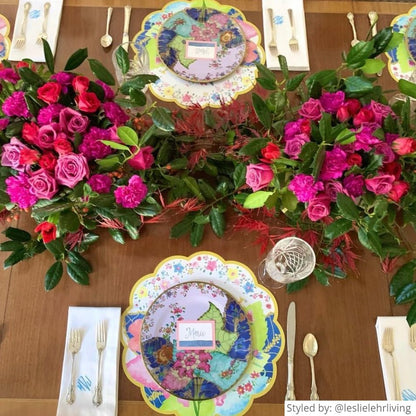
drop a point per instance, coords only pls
(231, 298)
(4, 38)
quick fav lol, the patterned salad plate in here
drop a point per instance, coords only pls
(178, 45)
(231, 361)
(4, 38)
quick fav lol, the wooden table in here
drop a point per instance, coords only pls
(342, 316)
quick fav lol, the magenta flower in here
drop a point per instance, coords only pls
(43, 184)
(20, 191)
(91, 145)
(334, 165)
(294, 145)
(354, 185)
(381, 184)
(332, 189)
(189, 360)
(108, 92)
(71, 169)
(65, 79)
(4, 122)
(305, 187)
(311, 109)
(319, 207)
(258, 176)
(143, 160)
(115, 113)
(131, 195)
(380, 111)
(47, 136)
(365, 139)
(15, 105)
(50, 113)
(71, 122)
(332, 101)
(100, 183)
(9, 75)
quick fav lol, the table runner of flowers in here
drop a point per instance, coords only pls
(321, 156)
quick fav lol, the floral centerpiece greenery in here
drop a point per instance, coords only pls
(320, 156)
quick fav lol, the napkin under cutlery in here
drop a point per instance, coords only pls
(86, 319)
(405, 357)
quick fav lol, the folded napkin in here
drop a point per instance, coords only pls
(405, 357)
(86, 361)
(296, 60)
(31, 49)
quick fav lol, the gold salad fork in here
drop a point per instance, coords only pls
(412, 337)
(388, 346)
(293, 41)
(100, 343)
(74, 345)
(21, 39)
(272, 44)
(44, 33)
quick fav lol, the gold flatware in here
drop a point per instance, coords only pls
(100, 343)
(74, 345)
(310, 348)
(21, 40)
(272, 44)
(355, 40)
(388, 346)
(412, 337)
(125, 38)
(293, 41)
(373, 18)
(106, 39)
(44, 33)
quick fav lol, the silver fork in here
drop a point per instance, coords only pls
(44, 33)
(21, 40)
(412, 338)
(272, 44)
(388, 346)
(100, 343)
(293, 41)
(74, 345)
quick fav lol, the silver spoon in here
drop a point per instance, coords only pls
(310, 348)
(107, 40)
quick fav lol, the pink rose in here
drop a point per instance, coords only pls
(49, 92)
(80, 84)
(258, 176)
(88, 102)
(143, 160)
(380, 185)
(404, 145)
(380, 111)
(319, 207)
(11, 154)
(72, 122)
(312, 109)
(71, 169)
(399, 189)
(294, 145)
(47, 135)
(43, 184)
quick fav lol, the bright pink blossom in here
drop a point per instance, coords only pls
(380, 185)
(258, 176)
(305, 187)
(319, 207)
(71, 169)
(143, 160)
(43, 184)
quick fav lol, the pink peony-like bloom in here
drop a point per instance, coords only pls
(9, 75)
(100, 183)
(380, 111)
(71, 122)
(258, 176)
(143, 160)
(71, 169)
(311, 109)
(398, 190)
(49, 114)
(115, 113)
(15, 105)
(91, 145)
(332, 189)
(4, 122)
(354, 185)
(382, 148)
(293, 128)
(332, 101)
(11, 154)
(335, 163)
(381, 184)
(108, 92)
(293, 146)
(319, 207)
(304, 187)
(365, 139)
(131, 195)
(20, 191)
(49, 92)
(43, 184)
(404, 145)
(63, 78)
(47, 135)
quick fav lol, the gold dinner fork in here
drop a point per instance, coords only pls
(413, 337)
(100, 343)
(272, 44)
(21, 40)
(388, 346)
(44, 33)
(293, 41)
(74, 345)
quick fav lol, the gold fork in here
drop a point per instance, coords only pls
(100, 343)
(21, 40)
(413, 337)
(74, 345)
(272, 43)
(44, 33)
(388, 346)
(293, 41)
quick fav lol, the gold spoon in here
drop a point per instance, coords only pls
(107, 40)
(310, 348)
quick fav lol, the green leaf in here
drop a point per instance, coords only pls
(325, 126)
(207, 190)
(318, 161)
(382, 40)
(324, 79)
(11, 246)
(407, 88)
(162, 118)
(217, 220)
(283, 66)
(257, 199)
(337, 228)
(370, 240)
(77, 274)
(346, 136)
(14, 258)
(411, 315)
(224, 339)
(197, 233)
(115, 145)
(402, 278)
(192, 185)
(138, 98)
(50, 62)
(76, 59)
(53, 275)
(406, 294)
(56, 247)
(109, 162)
(395, 41)
(262, 111)
(356, 86)
(289, 201)
(97, 89)
(321, 276)
(87, 240)
(267, 84)
(30, 76)
(359, 53)
(76, 258)
(372, 66)
(293, 83)
(347, 207)
(69, 221)
(122, 59)
(128, 136)
(182, 227)
(17, 234)
(253, 147)
(265, 72)
(239, 175)
(117, 235)
(295, 286)
(101, 72)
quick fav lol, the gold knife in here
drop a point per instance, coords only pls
(290, 332)
(127, 13)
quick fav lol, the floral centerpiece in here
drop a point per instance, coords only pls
(323, 157)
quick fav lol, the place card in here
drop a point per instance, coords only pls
(200, 49)
(195, 335)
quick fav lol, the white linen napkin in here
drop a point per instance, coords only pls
(404, 355)
(86, 362)
(31, 49)
(296, 60)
